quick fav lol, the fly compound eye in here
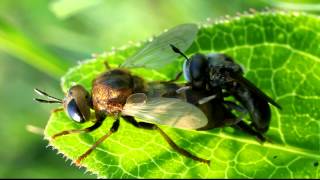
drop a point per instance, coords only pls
(74, 113)
(78, 103)
(186, 70)
(197, 66)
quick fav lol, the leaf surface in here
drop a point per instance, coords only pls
(280, 54)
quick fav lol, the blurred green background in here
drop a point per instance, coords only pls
(41, 39)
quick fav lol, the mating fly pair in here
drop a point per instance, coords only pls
(197, 105)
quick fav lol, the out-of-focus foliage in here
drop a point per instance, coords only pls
(297, 5)
(40, 39)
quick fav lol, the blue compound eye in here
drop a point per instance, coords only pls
(197, 67)
(74, 112)
(186, 70)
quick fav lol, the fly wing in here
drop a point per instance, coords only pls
(165, 111)
(158, 53)
(240, 79)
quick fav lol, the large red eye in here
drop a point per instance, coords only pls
(74, 112)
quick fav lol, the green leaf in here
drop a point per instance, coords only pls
(305, 5)
(280, 53)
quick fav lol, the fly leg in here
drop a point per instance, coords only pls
(112, 130)
(73, 131)
(248, 129)
(88, 129)
(149, 126)
(232, 105)
(243, 125)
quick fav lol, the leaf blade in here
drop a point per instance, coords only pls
(276, 54)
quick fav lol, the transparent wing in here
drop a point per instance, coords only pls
(165, 111)
(158, 53)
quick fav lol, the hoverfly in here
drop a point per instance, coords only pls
(219, 72)
(118, 93)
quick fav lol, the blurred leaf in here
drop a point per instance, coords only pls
(17, 44)
(66, 8)
(280, 53)
(298, 6)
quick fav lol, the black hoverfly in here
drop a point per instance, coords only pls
(219, 73)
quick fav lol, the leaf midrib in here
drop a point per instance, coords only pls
(287, 148)
(249, 141)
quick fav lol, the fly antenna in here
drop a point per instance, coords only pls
(46, 101)
(177, 50)
(42, 93)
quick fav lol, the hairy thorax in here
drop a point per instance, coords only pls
(108, 99)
